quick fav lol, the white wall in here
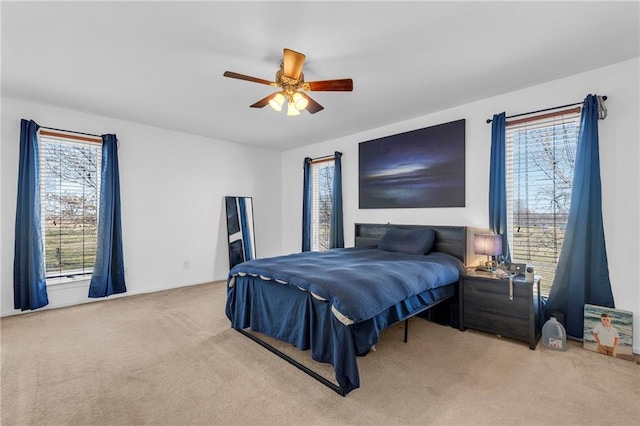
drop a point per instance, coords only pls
(172, 191)
(619, 157)
(173, 186)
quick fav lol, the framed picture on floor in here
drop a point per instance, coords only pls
(608, 331)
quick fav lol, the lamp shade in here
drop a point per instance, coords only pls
(277, 101)
(488, 244)
(300, 101)
(291, 109)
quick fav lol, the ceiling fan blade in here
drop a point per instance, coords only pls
(342, 85)
(231, 74)
(293, 62)
(313, 106)
(262, 102)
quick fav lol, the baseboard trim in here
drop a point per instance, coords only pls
(51, 306)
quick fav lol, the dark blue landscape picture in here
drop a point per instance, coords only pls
(419, 168)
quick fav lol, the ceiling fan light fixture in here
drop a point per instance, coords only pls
(277, 101)
(300, 101)
(290, 80)
(291, 109)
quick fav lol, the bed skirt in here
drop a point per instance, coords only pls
(295, 316)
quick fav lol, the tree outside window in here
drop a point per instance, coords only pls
(69, 191)
(540, 164)
(321, 204)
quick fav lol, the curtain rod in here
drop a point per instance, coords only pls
(321, 159)
(489, 120)
(71, 131)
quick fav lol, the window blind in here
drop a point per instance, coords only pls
(321, 202)
(69, 193)
(540, 160)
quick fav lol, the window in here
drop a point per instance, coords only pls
(69, 198)
(321, 202)
(540, 160)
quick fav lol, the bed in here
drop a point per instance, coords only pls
(336, 303)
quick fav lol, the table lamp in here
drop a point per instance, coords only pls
(490, 245)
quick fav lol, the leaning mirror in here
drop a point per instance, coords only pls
(240, 229)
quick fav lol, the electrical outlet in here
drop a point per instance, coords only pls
(185, 264)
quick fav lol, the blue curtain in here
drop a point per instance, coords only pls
(108, 271)
(336, 231)
(497, 182)
(582, 274)
(306, 206)
(29, 282)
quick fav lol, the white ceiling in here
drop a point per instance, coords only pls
(161, 63)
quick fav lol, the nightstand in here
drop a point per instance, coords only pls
(485, 305)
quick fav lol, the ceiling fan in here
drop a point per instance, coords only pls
(290, 80)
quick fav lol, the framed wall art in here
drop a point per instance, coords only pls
(418, 168)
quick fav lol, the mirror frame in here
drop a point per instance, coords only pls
(240, 229)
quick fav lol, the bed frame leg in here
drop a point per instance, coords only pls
(406, 330)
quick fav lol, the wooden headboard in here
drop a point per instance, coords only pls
(449, 239)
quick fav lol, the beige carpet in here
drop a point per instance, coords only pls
(171, 358)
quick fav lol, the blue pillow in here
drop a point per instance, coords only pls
(409, 241)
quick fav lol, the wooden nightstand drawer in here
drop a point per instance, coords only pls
(496, 322)
(485, 305)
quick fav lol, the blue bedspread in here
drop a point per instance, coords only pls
(359, 283)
